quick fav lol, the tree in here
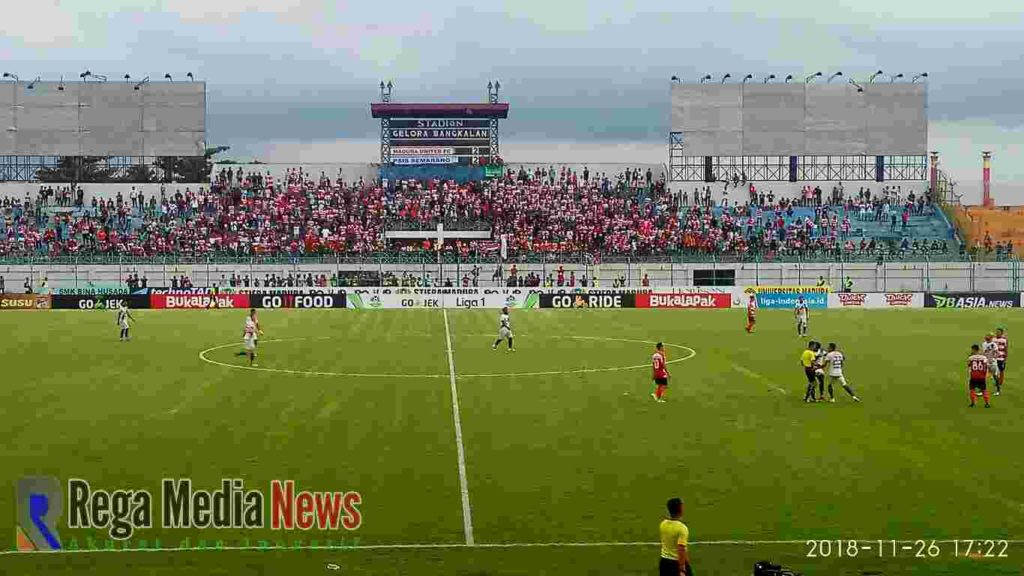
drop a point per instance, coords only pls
(77, 169)
(138, 174)
(188, 168)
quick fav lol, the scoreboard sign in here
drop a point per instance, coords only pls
(419, 141)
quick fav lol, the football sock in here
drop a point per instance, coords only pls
(974, 396)
(496, 342)
(985, 395)
(848, 389)
(659, 392)
(831, 393)
(810, 392)
(821, 386)
(509, 342)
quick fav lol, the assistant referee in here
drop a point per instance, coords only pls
(675, 537)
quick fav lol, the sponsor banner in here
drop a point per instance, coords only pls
(692, 300)
(98, 301)
(198, 301)
(465, 301)
(160, 290)
(293, 290)
(876, 300)
(588, 300)
(422, 151)
(293, 300)
(24, 302)
(776, 297)
(973, 300)
(416, 160)
(96, 288)
(787, 289)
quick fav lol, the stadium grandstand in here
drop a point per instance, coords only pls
(828, 207)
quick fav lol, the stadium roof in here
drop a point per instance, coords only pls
(403, 110)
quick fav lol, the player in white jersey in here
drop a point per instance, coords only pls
(991, 351)
(800, 313)
(1002, 349)
(124, 318)
(834, 361)
(250, 336)
(504, 330)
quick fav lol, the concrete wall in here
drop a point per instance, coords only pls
(953, 276)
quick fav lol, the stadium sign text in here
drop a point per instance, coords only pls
(121, 512)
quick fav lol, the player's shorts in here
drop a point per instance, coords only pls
(801, 323)
(250, 343)
(504, 333)
(124, 325)
(993, 368)
(668, 567)
(661, 381)
(1001, 364)
(832, 378)
(978, 384)
(809, 372)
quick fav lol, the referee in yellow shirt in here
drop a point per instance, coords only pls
(807, 362)
(675, 537)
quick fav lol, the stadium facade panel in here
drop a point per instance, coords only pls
(103, 119)
(800, 119)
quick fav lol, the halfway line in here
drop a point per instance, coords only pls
(467, 510)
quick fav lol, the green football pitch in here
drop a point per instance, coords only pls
(565, 462)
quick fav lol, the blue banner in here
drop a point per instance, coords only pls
(787, 300)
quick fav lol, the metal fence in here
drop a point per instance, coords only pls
(923, 275)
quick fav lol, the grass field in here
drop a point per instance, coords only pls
(562, 442)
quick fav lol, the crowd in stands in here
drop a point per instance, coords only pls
(558, 211)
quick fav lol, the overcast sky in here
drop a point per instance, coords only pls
(310, 67)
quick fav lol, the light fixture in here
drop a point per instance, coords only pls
(895, 78)
(919, 76)
(60, 86)
(726, 77)
(85, 75)
(812, 77)
(168, 77)
(32, 84)
(141, 82)
(788, 78)
(769, 77)
(859, 87)
(190, 77)
(748, 77)
(9, 75)
(127, 78)
(675, 79)
(873, 76)
(705, 78)
(834, 76)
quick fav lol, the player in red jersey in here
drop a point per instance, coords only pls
(659, 369)
(1002, 347)
(751, 312)
(977, 365)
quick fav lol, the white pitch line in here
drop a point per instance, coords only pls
(691, 353)
(467, 511)
(204, 358)
(458, 545)
(750, 373)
